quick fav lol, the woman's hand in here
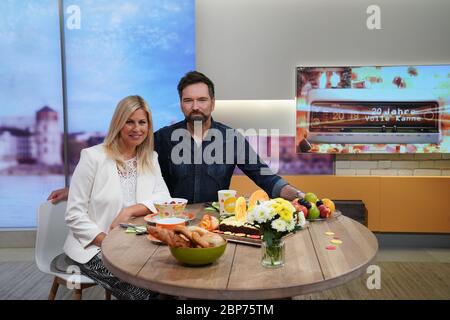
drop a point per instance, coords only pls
(98, 239)
(58, 195)
(124, 215)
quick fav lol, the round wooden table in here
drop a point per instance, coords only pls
(309, 266)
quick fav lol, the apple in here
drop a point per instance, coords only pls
(311, 197)
(296, 204)
(304, 210)
(324, 211)
(300, 208)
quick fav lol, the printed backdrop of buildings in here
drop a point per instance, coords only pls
(31, 145)
(34, 145)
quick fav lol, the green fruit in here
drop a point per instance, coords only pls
(311, 197)
(313, 213)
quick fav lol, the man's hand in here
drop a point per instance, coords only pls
(288, 192)
(58, 195)
(123, 216)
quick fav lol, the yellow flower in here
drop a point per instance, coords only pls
(284, 208)
(286, 214)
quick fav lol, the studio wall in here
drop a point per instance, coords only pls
(251, 49)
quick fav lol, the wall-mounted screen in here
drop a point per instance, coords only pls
(383, 109)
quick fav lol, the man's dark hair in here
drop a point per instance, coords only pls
(194, 77)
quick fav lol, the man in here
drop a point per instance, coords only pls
(198, 155)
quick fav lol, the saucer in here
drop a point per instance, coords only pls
(153, 239)
(154, 217)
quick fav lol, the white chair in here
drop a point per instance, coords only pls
(50, 258)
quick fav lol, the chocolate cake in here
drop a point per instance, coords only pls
(232, 225)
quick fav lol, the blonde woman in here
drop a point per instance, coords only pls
(113, 181)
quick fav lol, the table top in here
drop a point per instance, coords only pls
(238, 274)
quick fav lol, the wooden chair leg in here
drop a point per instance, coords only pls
(107, 294)
(54, 289)
(77, 294)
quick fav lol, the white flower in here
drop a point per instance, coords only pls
(263, 215)
(279, 225)
(301, 219)
(250, 217)
(290, 225)
(260, 213)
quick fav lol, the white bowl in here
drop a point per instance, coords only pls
(171, 208)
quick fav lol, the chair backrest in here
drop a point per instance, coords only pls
(51, 233)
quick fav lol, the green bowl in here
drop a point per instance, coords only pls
(198, 256)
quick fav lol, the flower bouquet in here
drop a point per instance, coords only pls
(274, 218)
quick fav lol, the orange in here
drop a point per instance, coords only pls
(258, 195)
(330, 204)
(240, 209)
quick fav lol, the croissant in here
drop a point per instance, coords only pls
(191, 237)
(169, 237)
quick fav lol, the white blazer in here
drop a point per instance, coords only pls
(95, 199)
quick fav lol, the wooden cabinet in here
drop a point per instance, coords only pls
(394, 204)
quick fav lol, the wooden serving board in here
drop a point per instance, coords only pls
(243, 240)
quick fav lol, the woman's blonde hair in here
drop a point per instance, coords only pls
(124, 110)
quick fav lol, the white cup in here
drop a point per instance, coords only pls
(227, 202)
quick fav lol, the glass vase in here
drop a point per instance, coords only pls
(272, 256)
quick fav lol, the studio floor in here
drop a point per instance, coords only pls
(405, 274)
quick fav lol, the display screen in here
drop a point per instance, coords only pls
(367, 117)
(373, 109)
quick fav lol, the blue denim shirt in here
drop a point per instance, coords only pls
(199, 181)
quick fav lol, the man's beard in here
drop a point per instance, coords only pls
(196, 117)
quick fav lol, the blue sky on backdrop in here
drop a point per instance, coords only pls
(30, 67)
(128, 47)
(123, 47)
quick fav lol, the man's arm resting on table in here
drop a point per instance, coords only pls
(288, 192)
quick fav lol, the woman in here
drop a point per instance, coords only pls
(113, 182)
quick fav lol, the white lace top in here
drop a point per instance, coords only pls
(128, 181)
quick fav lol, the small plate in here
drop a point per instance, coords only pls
(153, 239)
(154, 217)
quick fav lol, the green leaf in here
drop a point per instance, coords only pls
(215, 205)
(268, 237)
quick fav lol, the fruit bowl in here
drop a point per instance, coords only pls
(171, 208)
(198, 256)
(335, 214)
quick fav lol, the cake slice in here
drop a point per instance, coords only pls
(231, 224)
